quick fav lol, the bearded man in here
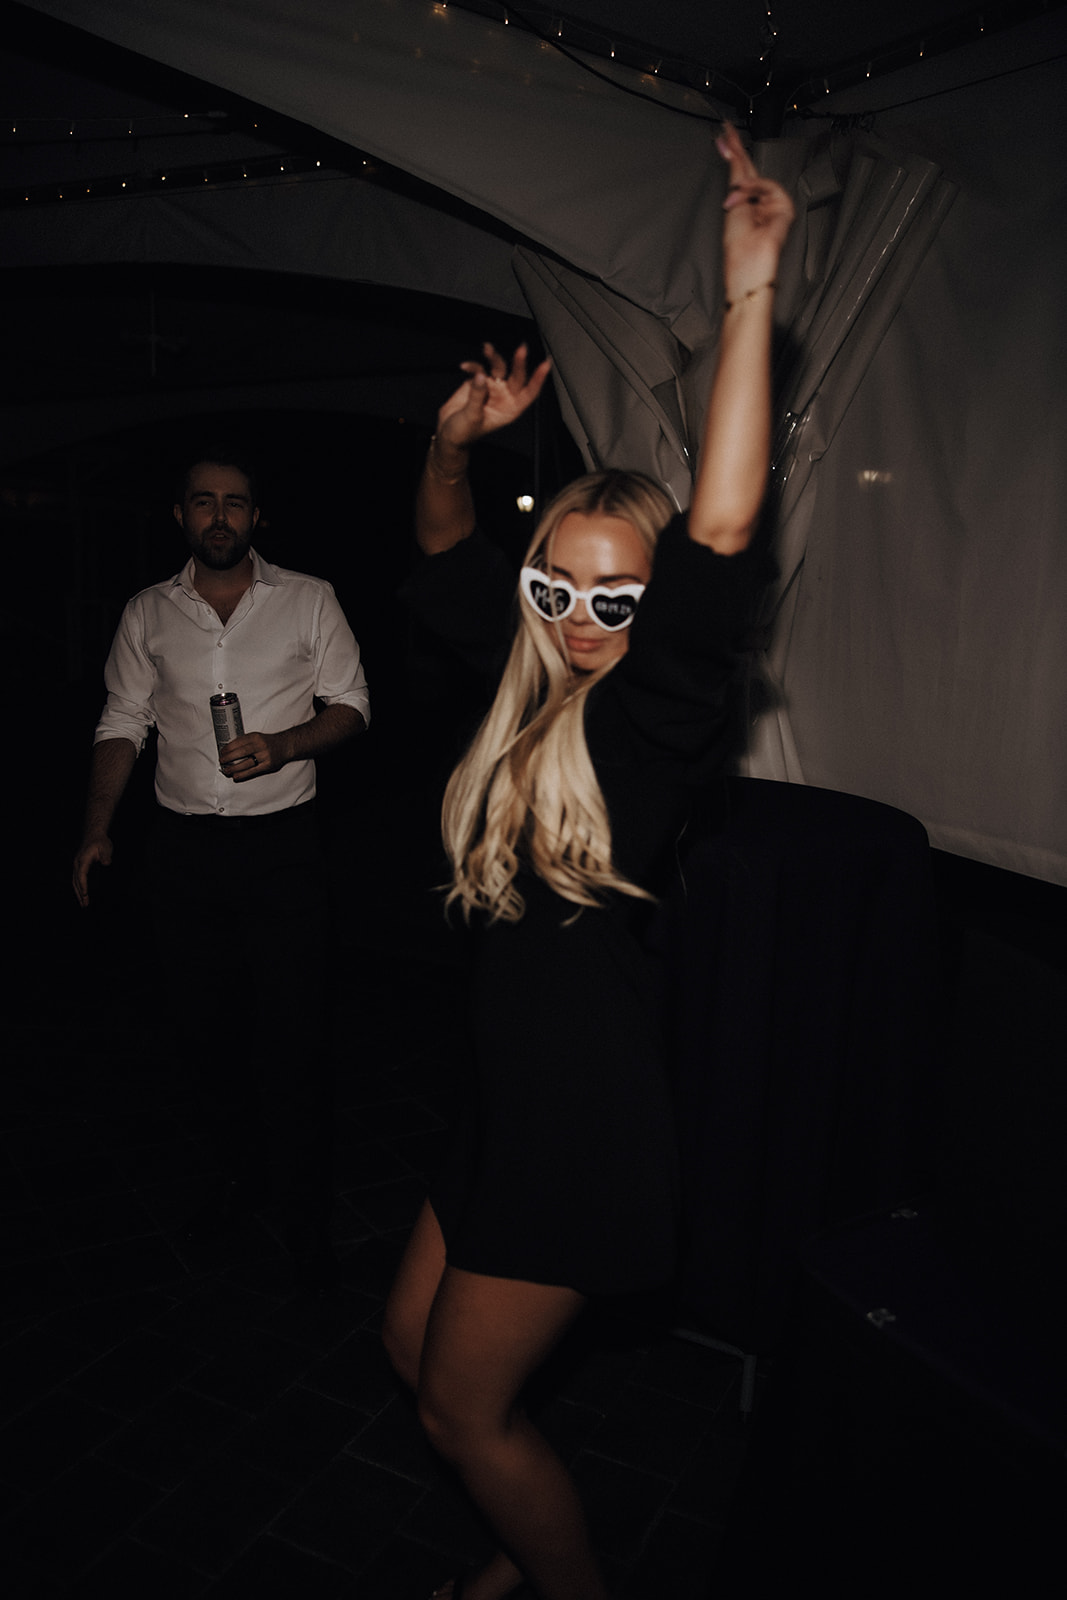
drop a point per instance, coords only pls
(235, 871)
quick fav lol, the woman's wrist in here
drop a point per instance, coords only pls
(735, 298)
(447, 463)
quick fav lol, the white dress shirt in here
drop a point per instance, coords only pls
(286, 642)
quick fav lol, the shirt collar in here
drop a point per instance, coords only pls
(262, 572)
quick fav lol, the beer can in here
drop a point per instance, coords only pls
(226, 718)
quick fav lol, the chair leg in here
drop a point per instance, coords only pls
(748, 1361)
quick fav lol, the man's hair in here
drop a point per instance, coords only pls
(218, 453)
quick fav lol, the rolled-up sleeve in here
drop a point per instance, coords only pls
(339, 676)
(130, 676)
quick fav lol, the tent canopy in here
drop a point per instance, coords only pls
(914, 651)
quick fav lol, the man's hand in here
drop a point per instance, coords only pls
(92, 851)
(253, 755)
(109, 771)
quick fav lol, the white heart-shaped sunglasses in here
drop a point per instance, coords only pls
(555, 598)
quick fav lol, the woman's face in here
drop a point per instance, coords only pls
(593, 550)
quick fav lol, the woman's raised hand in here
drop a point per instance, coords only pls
(491, 397)
(758, 217)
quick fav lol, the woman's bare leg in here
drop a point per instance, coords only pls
(484, 1338)
(407, 1312)
(414, 1289)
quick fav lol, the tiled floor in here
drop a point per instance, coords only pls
(179, 1424)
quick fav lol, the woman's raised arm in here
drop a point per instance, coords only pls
(735, 450)
(489, 398)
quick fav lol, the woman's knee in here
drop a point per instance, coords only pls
(455, 1429)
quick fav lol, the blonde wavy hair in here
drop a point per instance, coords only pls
(525, 794)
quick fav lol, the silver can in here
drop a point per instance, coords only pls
(226, 718)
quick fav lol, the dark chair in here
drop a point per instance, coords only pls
(914, 1429)
(799, 962)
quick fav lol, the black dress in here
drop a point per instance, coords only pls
(565, 1171)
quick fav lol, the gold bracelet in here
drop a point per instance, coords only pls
(728, 305)
(432, 463)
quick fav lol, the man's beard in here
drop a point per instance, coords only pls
(223, 557)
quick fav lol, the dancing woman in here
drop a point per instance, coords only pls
(561, 823)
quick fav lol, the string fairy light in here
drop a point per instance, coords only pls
(548, 26)
(224, 173)
(585, 37)
(920, 48)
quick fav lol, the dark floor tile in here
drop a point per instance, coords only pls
(391, 1117)
(35, 1287)
(131, 1569)
(389, 1207)
(678, 1560)
(691, 1372)
(65, 1527)
(374, 1262)
(621, 1503)
(395, 1439)
(15, 1196)
(171, 1439)
(652, 1431)
(251, 1369)
(422, 1153)
(362, 1162)
(35, 1362)
(403, 1570)
(211, 1518)
(25, 1582)
(209, 1315)
(76, 1178)
(568, 1427)
(705, 1489)
(101, 1219)
(349, 1226)
(298, 1436)
(271, 1569)
(149, 1126)
(44, 1441)
(44, 1138)
(591, 1373)
(100, 1324)
(318, 1324)
(135, 1373)
(356, 1090)
(248, 1240)
(446, 1520)
(174, 1162)
(172, 1201)
(349, 1512)
(124, 1264)
(357, 1373)
(119, 1082)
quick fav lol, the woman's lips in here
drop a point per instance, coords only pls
(579, 644)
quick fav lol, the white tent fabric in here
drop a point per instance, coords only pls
(488, 114)
(860, 255)
(925, 659)
(334, 227)
(918, 651)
